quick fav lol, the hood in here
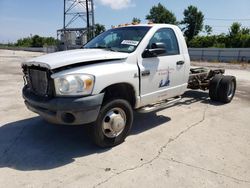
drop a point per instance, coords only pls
(65, 58)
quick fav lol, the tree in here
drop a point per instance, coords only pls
(193, 21)
(37, 41)
(238, 37)
(208, 29)
(245, 31)
(49, 41)
(235, 29)
(25, 42)
(160, 14)
(136, 20)
(99, 29)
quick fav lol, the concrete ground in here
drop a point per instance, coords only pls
(196, 143)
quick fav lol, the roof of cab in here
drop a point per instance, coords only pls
(158, 25)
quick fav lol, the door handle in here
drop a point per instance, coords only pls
(145, 73)
(180, 62)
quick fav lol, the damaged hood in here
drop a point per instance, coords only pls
(65, 58)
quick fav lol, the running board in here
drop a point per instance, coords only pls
(160, 105)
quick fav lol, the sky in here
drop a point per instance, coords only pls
(22, 18)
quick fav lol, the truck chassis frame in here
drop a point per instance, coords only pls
(199, 78)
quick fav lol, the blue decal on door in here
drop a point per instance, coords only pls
(166, 80)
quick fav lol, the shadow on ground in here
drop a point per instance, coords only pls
(33, 144)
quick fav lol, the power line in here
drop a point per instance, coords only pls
(225, 26)
(226, 19)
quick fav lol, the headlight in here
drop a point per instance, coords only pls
(74, 85)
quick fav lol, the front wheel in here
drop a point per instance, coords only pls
(113, 123)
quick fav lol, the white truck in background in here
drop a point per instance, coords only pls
(121, 70)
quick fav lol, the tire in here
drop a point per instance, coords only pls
(113, 123)
(226, 90)
(213, 87)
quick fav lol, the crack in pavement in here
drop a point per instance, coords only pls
(159, 152)
(207, 170)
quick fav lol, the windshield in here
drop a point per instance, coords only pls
(124, 39)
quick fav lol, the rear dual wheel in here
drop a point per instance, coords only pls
(222, 88)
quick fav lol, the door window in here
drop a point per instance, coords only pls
(167, 37)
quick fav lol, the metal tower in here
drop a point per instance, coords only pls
(78, 23)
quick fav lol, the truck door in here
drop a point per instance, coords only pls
(162, 77)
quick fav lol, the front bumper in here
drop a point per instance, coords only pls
(65, 110)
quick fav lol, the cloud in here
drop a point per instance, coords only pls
(117, 4)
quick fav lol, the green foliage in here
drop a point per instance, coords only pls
(235, 29)
(221, 41)
(136, 20)
(193, 22)
(25, 42)
(245, 31)
(160, 14)
(208, 29)
(202, 42)
(36, 41)
(99, 29)
(237, 37)
(49, 41)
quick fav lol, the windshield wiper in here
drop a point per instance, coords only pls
(99, 47)
(102, 47)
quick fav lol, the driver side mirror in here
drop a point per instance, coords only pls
(155, 50)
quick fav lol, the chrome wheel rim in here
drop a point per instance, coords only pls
(114, 122)
(231, 89)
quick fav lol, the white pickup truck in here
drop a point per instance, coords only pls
(121, 70)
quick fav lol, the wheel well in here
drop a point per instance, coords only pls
(121, 91)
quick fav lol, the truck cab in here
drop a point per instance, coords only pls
(121, 70)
